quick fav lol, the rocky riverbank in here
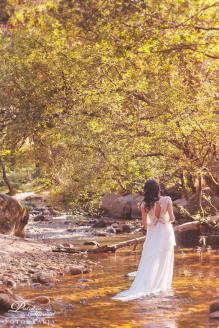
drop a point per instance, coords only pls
(31, 260)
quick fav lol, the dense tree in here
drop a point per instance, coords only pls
(108, 93)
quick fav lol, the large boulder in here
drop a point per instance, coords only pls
(115, 205)
(135, 204)
(13, 217)
(214, 310)
(118, 206)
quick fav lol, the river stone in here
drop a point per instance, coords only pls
(111, 229)
(99, 233)
(42, 217)
(99, 224)
(40, 300)
(126, 228)
(78, 269)
(43, 278)
(7, 298)
(10, 283)
(214, 306)
(5, 302)
(214, 315)
(34, 197)
(92, 242)
(118, 230)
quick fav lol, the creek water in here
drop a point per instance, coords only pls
(85, 301)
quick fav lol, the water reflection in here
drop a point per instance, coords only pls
(86, 301)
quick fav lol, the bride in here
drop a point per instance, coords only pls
(155, 269)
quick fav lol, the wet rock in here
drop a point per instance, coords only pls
(47, 212)
(92, 242)
(214, 315)
(40, 300)
(66, 245)
(55, 212)
(99, 233)
(111, 229)
(213, 240)
(34, 197)
(84, 280)
(92, 221)
(118, 230)
(39, 217)
(7, 299)
(43, 278)
(36, 285)
(42, 218)
(24, 280)
(5, 302)
(214, 306)
(71, 230)
(78, 269)
(10, 283)
(99, 224)
(188, 238)
(126, 228)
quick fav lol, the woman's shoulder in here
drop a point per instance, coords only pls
(142, 204)
(166, 199)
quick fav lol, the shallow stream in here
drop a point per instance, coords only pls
(85, 301)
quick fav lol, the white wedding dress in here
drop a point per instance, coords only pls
(155, 269)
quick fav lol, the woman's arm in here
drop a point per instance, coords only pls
(144, 217)
(170, 211)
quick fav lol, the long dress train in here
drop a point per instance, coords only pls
(155, 269)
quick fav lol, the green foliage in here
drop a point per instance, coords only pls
(105, 94)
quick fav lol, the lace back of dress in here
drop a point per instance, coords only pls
(163, 210)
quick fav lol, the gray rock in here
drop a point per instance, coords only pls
(118, 206)
(99, 224)
(44, 279)
(214, 306)
(214, 315)
(78, 269)
(5, 302)
(126, 228)
(92, 242)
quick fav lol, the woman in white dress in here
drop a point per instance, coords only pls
(155, 269)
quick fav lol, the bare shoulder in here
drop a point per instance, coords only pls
(168, 199)
(143, 207)
(165, 199)
(143, 204)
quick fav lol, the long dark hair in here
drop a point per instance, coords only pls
(151, 193)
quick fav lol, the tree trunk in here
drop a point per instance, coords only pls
(11, 188)
(182, 179)
(199, 194)
(212, 183)
(191, 183)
